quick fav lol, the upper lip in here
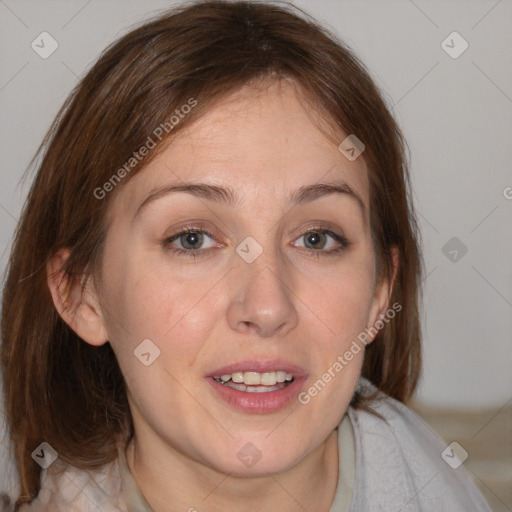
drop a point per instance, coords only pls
(260, 366)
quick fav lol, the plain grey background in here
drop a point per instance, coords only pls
(456, 114)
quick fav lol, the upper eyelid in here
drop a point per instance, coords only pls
(187, 230)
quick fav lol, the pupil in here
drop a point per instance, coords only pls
(313, 238)
(191, 239)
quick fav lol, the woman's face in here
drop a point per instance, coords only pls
(256, 293)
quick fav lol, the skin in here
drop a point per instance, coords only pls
(217, 309)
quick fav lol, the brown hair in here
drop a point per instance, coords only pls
(70, 394)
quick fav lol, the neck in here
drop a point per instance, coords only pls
(171, 481)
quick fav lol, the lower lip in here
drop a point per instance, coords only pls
(270, 401)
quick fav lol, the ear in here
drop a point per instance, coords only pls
(81, 311)
(382, 296)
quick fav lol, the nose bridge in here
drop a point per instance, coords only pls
(261, 297)
(261, 268)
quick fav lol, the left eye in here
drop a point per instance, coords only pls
(318, 239)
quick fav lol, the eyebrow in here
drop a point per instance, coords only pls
(227, 195)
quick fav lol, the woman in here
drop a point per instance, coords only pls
(212, 299)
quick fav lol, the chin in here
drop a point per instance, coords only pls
(250, 461)
(259, 469)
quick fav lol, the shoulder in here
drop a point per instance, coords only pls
(66, 488)
(399, 462)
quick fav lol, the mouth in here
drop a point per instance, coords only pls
(254, 387)
(255, 382)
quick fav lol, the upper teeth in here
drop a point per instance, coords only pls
(256, 379)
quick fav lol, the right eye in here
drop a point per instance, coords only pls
(191, 239)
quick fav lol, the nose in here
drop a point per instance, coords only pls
(262, 297)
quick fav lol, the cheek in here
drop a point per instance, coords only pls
(175, 311)
(342, 307)
(341, 302)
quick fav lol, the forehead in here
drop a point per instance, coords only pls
(260, 141)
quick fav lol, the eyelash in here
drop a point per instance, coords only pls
(197, 253)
